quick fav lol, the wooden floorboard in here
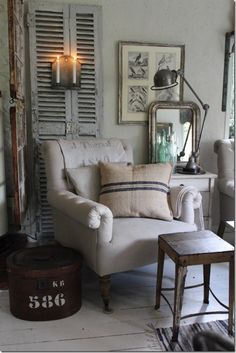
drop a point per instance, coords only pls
(126, 329)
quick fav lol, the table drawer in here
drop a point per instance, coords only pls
(200, 184)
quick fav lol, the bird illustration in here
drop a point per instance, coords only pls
(132, 71)
(137, 58)
(162, 61)
(143, 71)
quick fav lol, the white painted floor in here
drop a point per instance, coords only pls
(133, 297)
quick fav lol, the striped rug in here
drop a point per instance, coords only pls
(161, 337)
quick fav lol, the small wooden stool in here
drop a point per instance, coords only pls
(194, 248)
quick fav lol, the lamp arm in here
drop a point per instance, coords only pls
(205, 107)
(182, 153)
(200, 135)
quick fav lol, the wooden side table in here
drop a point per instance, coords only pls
(194, 248)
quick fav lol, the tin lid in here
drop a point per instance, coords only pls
(43, 257)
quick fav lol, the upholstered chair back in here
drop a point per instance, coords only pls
(225, 183)
(62, 154)
(225, 158)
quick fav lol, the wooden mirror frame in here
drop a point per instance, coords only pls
(152, 111)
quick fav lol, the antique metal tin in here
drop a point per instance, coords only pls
(44, 283)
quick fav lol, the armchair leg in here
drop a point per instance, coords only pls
(105, 285)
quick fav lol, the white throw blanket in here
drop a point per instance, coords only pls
(181, 194)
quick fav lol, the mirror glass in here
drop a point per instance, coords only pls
(178, 121)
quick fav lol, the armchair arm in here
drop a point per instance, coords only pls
(87, 212)
(184, 201)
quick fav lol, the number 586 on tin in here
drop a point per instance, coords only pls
(47, 301)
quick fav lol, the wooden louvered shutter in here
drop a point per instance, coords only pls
(85, 20)
(54, 30)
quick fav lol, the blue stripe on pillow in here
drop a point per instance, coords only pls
(106, 191)
(136, 182)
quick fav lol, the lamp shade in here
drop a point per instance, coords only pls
(164, 79)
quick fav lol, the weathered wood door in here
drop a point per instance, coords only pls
(54, 30)
(17, 109)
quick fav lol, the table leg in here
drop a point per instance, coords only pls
(231, 295)
(180, 276)
(221, 229)
(206, 278)
(161, 257)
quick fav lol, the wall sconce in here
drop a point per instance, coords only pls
(66, 73)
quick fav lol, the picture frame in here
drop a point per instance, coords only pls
(138, 63)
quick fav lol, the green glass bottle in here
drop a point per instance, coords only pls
(157, 145)
(162, 151)
(172, 149)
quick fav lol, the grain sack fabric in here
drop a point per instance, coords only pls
(136, 190)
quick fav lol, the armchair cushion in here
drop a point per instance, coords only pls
(136, 190)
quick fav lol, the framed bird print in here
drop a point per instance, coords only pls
(138, 63)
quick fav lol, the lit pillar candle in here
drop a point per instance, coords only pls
(74, 71)
(58, 70)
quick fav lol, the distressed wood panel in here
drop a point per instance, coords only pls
(87, 102)
(17, 110)
(16, 48)
(49, 107)
(86, 42)
(58, 29)
(88, 130)
(51, 128)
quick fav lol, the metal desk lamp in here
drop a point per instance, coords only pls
(166, 78)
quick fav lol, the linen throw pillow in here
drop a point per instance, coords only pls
(86, 181)
(136, 190)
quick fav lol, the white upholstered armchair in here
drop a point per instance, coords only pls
(108, 244)
(224, 148)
